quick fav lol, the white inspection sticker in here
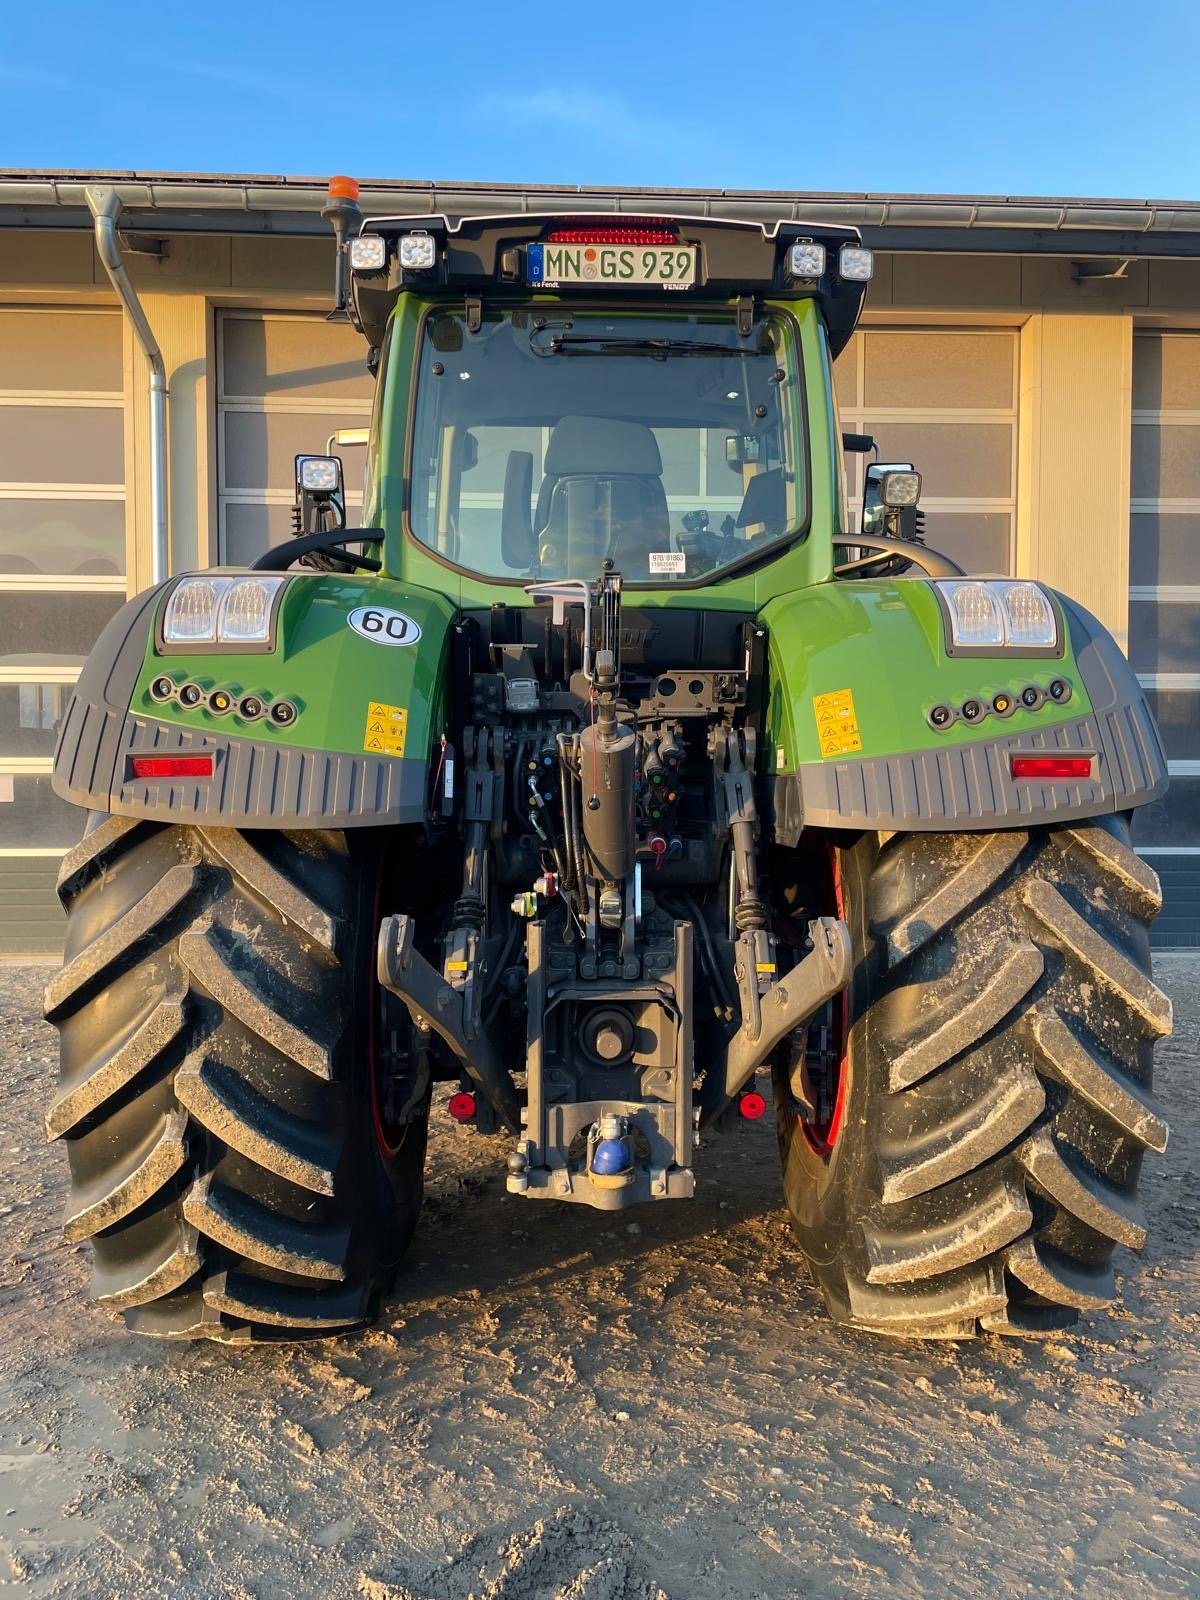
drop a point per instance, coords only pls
(383, 626)
(668, 561)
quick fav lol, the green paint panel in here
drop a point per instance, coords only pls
(329, 671)
(882, 640)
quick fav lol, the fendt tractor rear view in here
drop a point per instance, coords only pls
(617, 775)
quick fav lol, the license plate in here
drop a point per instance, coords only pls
(668, 266)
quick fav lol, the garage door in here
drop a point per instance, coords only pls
(286, 381)
(62, 576)
(946, 400)
(1164, 608)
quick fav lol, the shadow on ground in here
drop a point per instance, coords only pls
(564, 1406)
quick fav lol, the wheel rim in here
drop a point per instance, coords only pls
(824, 1068)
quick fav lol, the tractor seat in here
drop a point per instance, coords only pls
(602, 496)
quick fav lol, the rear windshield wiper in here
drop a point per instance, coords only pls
(604, 344)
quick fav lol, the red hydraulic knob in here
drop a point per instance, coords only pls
(752, 1105)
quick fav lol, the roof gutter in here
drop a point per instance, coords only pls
(105, 205)
(197, 203)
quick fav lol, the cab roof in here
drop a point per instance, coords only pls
(489, 257)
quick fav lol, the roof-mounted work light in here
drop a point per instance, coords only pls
(368, 253)
(806, 260)
(418, 252)
(856, 264)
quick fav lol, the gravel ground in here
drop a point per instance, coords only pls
(562, 1406)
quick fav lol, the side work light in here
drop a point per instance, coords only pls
(319, 474)
(899, 487)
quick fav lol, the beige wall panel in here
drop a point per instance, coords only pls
(296, 358)
(845, 374)
(46, 259)
(1047, 281)
(941, 371)
(76, 350)
(199, 263)
(181, 325)
(281, 265)
(1166, 374)
(936, 280)
(68, 444)
(879, 290)
(1174, 285)
(956, 460)
(1073, 520)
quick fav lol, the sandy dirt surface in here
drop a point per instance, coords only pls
(563, 1406)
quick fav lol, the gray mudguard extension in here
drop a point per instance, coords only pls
(254, 784)
(970, 786)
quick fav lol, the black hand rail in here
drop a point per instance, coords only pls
(281, 556)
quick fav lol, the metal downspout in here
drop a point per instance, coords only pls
(105, 206)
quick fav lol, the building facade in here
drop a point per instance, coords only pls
(1039, 361)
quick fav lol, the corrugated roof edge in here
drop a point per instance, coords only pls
(281, 204)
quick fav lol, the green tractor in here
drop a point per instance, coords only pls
(607, 772)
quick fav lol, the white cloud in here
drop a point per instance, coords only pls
(594, 112)
(235, 78)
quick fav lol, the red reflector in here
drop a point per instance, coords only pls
(612, 236)
(752, 1105)
(1051, 766)
(462, 1106)
(172, 766)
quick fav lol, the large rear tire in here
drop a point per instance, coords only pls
(975, 1157)
(218, 1033)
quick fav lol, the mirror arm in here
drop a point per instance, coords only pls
(933, 562)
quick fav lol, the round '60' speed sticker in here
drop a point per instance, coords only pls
(382, 626)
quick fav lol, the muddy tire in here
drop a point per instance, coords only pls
(215, 1011)
(976, 1157)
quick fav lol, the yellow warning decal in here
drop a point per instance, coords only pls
(384, 732)
(837, 723)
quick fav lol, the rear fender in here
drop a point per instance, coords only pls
(856, 671)
(369, 709)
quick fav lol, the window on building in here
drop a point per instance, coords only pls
(1164, 607)
(946, 400)
(62, 576)
(286, 381)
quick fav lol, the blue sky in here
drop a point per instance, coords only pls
(1095, 99)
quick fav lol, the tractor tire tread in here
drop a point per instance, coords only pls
(1005, 1042)
(224, 1165)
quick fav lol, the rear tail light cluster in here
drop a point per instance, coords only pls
(633, 230)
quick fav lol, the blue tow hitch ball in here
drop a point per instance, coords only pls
(611, 1156)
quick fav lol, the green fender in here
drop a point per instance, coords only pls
(857, 671)
(368, 711)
